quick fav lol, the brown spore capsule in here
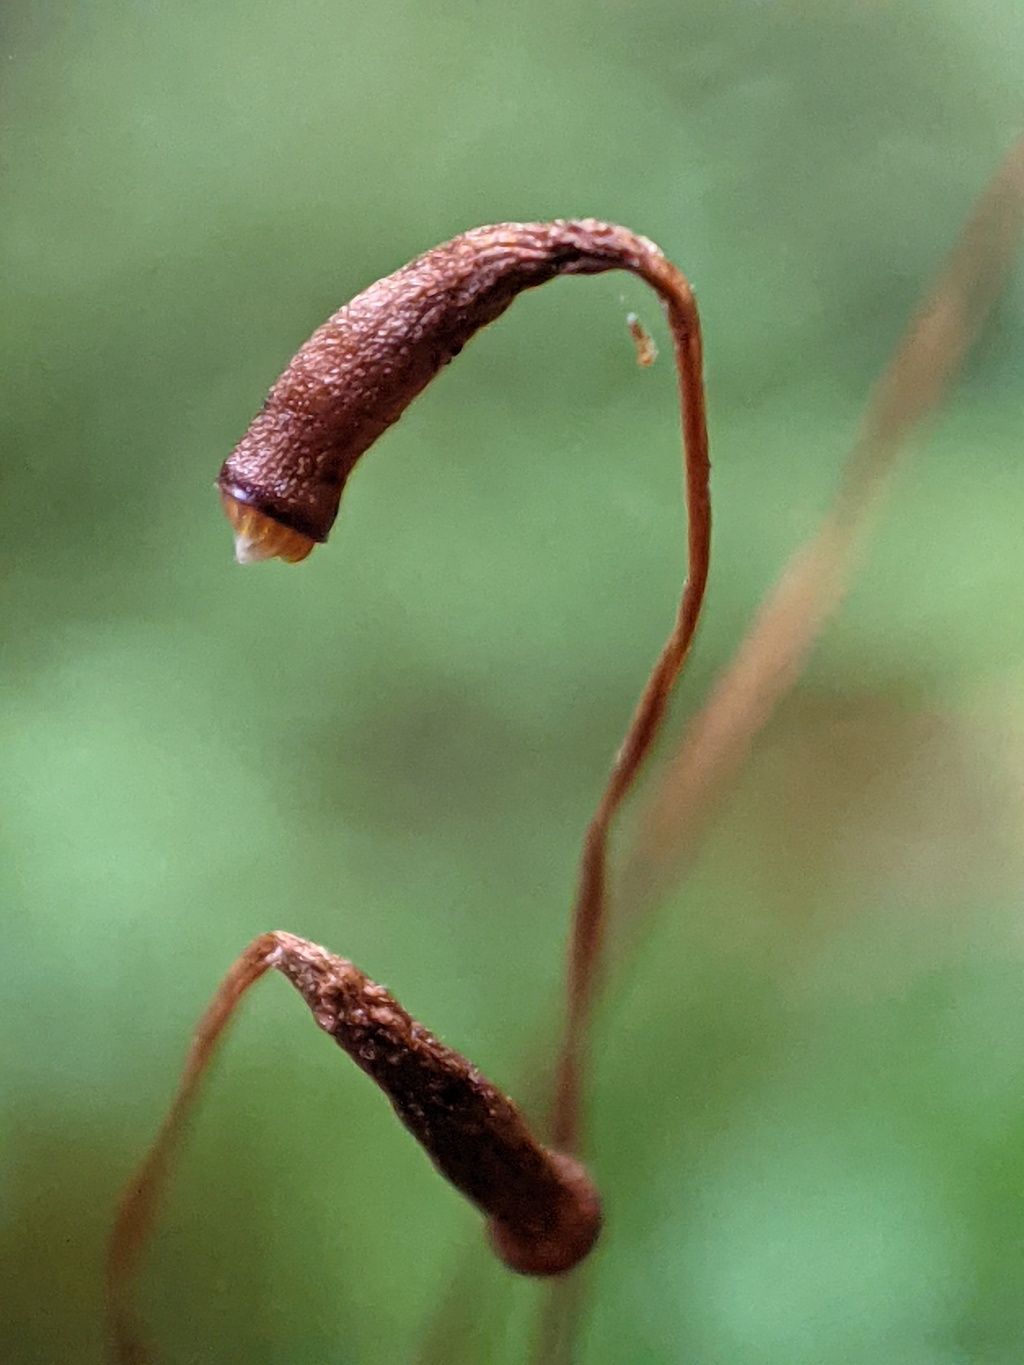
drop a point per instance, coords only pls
(544, 1213)
(358, 372)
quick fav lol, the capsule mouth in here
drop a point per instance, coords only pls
(259, 537)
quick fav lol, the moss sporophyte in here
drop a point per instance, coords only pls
(281, 488)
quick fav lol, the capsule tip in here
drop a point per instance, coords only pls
(259, 537)
(564, 1237)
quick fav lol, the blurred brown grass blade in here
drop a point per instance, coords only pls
(771, 658)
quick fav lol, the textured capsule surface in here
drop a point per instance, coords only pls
(357, 373)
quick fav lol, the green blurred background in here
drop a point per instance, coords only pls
(809, 1109)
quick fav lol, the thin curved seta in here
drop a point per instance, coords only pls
(356, 375)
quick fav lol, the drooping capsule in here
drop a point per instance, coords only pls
(356, 374)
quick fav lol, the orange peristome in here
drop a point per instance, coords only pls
(259, 537)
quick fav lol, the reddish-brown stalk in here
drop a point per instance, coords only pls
(772, 656)
(356, 375)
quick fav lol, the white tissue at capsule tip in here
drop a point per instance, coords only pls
(249, 550)
(259, 537)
